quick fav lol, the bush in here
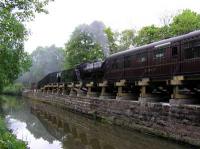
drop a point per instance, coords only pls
(8, 140)
(13, 89)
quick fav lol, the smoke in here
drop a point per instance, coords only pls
(44, 61)
(96, 29)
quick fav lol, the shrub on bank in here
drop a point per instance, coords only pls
(13, 89)
(8, 140)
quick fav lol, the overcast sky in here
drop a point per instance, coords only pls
(65, 15)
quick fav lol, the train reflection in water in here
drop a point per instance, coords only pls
(77, 132)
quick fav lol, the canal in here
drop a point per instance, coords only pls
(44, 126)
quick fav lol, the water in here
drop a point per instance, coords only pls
(47, 127)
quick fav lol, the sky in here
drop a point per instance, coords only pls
(64, 15)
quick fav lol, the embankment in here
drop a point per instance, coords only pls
(177, 122)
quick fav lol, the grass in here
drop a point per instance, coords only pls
(8, 140)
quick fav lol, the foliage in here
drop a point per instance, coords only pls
(14, 60)
(24, 10)
(165, 32)
(13, 89)
(110, 41)
(112, 38)
(182, 23)
(185, 22)
(7, 140)
(127, 38)
(44, 60)
(148, 34)
(96, 30)
(81, 48)
(119, 41)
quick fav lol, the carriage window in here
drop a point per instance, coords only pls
(188, 54)
(196, 52)
(141, 57)
(194, 43)
(117, 64)
(127, 62)
(192, 53)
(159, 53)
(174, 51)
(114, 64)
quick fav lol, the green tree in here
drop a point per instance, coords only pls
(112, 38)
(13, 58)
(24, 10)
(119, 41)
(13, 33)
(82, 48)
(165, 32)
(147, 35)
(182, 23)
(126, 39)
(185, 22)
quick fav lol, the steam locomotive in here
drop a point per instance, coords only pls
(157, 61)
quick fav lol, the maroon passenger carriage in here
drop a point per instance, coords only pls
(172, 64)
(175, 56)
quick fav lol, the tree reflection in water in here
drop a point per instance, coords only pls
(52, 127)
(83, 133)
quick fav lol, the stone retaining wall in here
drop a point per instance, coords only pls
(178, 122)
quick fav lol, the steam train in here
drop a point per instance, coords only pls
(162, 60)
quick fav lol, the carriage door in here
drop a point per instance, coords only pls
(117, 68)
(175, 57)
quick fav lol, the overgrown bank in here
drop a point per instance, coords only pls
(13, 89)
(8, 140)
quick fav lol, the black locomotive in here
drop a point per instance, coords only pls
(85, 72)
